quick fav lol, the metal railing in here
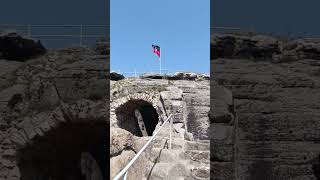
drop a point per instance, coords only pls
(78, 34)
(163, 72)
(124, 172)
(136, 73)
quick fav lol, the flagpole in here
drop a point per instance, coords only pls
(160, 64)
(160, 59)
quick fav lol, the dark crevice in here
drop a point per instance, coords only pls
(316, 167)
(58, 154)
(150, 118)
(126, 118)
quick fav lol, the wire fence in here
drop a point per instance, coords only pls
(251, 31)
(135, 73)
(54, 36)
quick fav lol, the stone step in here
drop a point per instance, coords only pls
(177, 134)
(196, 100)
(200, 146)
(189, 90)
(160, 142)
(170, 170)
(171, 155)
(198, 156)
(201, 172)
(182, 169)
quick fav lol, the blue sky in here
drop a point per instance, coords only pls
(294, 17)
(56, 12)
(180, 27)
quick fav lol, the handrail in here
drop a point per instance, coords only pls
(124, 170)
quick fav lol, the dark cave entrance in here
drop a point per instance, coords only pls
(127, 119)
(57, 155)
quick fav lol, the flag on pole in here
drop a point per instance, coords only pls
(156, 50)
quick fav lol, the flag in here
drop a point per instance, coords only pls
(156, 50)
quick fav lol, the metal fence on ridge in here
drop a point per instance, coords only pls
(163, 72)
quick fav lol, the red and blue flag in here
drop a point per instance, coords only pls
(156, 50)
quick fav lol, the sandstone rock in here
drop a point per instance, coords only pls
(263, 47)
(185, 76)
(201, 172)
(43, 95)
(11, 96)
(152, 76)
(245, 47)
(117, 163)
(274, 124)
(15, 47)
(120, 140)
(7, 73)
(115, 76)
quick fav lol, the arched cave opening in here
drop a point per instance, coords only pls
(127, 117)
(68, 152)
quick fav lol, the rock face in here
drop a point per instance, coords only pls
(178, 76)
(256, 47)
(265, 115)
(15, 47)
(260, 47)
(115, 76)
(103, 47)
(155, 100)
(53, 112)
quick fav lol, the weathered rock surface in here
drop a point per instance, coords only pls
(178, 76)
(187, 101)
(15, 47)
(115, 76)
(258, 47)
(45, 98)
(272, 126)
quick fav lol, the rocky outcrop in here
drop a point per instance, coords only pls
(267, 112)
(255, 47)
(188, 103)
(18, 48)
(299, 49)
(260, 47)
(152, 76)
(178, 76)
(116, 76)
(42, 101)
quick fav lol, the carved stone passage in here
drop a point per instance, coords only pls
(138, 117)
(150, 118)
(89, 167)
(72, 151)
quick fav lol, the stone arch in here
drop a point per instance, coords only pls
(63, 144)
(124, 113)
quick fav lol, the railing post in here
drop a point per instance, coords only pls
(170, 132)
(81, 34)
(125, 176)
(125, 169)
(29, 30)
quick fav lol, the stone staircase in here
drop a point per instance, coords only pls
(186, 160)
